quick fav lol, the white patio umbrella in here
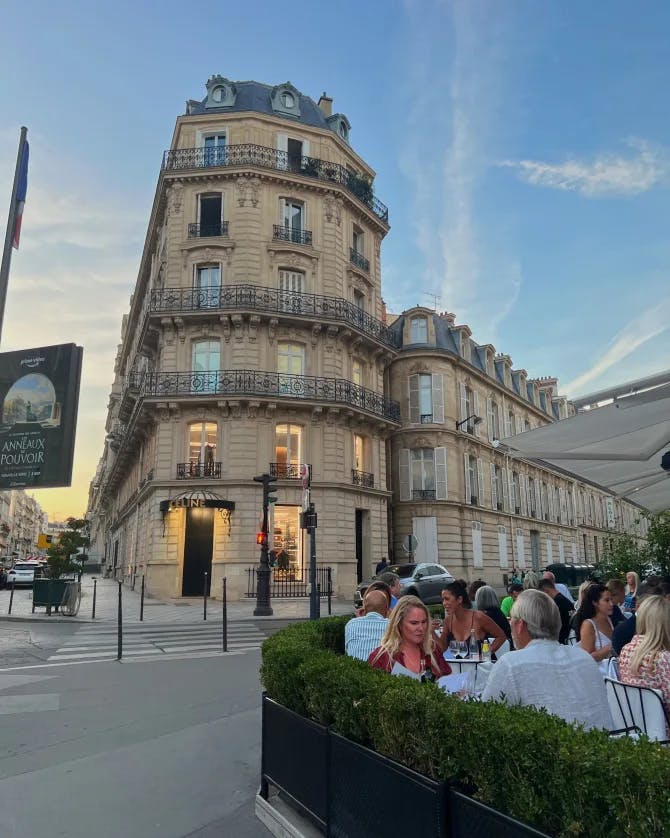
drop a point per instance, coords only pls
(617, 446)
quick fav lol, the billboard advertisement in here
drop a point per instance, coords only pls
(39, 395)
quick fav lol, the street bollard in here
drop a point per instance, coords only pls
(95, 586)
(142, 601)
(330, 591)
(11, 599)
(318, 599)
(119, 648)
(225, 617)
(204, 599)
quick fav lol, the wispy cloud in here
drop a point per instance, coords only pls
(606, 174)
(447, 153)
(640, 330)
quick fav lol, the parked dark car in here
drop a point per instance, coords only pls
(424, 580)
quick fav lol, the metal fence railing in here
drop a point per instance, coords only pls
(284, 584)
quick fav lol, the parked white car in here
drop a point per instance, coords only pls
(23, 573)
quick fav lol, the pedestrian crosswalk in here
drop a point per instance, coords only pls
(150, 641)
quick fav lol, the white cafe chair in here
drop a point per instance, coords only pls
(637, 707)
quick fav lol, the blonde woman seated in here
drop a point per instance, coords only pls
(645, 661)
(407, 641)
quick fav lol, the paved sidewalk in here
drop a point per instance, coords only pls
(155, 610)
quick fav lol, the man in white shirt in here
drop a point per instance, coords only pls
(565, 680)
(362, 635)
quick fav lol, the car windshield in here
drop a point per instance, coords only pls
(24, 567)
(403, 570)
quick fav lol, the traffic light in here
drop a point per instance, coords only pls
(269, 489)
(261, 538)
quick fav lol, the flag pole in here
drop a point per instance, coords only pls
(9, 235)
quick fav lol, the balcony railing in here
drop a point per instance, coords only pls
(272, 158)
(362, 478)
(269, 384)
(423, 494)
(426, 418)
(285, 471)
(291, 234)
(259, 298)
(197, 231)
(186, 471)
(359, 260)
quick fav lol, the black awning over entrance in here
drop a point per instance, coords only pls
(198, 498)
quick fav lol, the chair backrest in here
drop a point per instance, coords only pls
(613, 669)
(641, 707)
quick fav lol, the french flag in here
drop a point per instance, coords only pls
(21, 189)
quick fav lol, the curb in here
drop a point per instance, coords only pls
(282, 821)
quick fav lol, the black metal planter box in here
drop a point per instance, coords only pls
(350, 791)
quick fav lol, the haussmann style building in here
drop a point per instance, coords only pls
(254, 343)
(257, 341)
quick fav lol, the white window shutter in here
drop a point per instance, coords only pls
(489, 418)
(438, 398)
(550, 552)
(520, 552)
(502, 547)
(475, 402)
(480, 482)
(477, 554)
(403, 473)
(522, 494)
(441, 473)
(494, 487)
(574, 553)
(517, 424)
(468, 487)
(414, 407)
(508, 424)
(561, 551)
(550, 503)
(464, 403)
(504, 489)
(282, 146)
(538, 499)
(500, 420)
(305, 148)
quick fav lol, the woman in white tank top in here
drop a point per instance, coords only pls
(594, 624)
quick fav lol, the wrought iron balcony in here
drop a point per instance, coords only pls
(263, 157)
(426, 418)
(197, 231)
(362, 478)
(423, 494)
(259, 298)
(285, 471)
(236, 383)
(186, 471)
(290, 234)
(359, 260)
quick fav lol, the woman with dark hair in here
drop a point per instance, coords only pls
(460, 620)
(486, 601)
(593, 623)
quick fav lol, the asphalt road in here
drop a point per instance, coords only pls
(167, 748)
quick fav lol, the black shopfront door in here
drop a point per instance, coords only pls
(197, 551)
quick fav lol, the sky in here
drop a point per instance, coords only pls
(522, 147)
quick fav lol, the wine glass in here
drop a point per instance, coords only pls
(453, 648)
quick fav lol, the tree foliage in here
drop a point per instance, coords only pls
(624, 553)
(64, 557)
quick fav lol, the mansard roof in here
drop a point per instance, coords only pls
(262, 98)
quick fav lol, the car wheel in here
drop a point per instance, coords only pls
(413, 592)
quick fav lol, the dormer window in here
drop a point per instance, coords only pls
(220, 93)
(419, 330)
(340, 124)
(285, 99)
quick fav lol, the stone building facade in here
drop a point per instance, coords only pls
(257, 341)
(254, 343)
(474, 509)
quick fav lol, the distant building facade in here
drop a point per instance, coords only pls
(476, 510)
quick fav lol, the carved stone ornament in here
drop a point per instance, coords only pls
(316, 330)
(252, 409)
(225, 325)
(237, 325)
(179, 323)
(168, 329)
(175, 195)
(332, 209)
(418, 367)
(272, 329)
(241, 185)
(254, 321)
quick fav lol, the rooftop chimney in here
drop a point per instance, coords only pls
(326, 104)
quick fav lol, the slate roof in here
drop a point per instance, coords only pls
(255, 96)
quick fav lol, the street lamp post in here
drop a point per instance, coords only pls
(263, 607)
(475, 420)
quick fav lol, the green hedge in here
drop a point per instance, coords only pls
(535, 767)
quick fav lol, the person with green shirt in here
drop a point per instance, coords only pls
(506, 605)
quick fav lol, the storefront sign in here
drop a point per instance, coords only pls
(39, 396)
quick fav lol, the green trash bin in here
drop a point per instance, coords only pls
(54, 593)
